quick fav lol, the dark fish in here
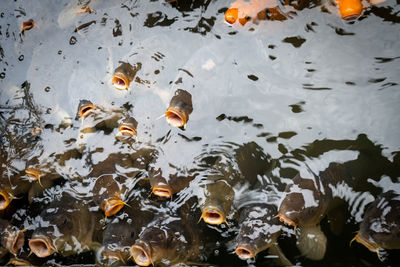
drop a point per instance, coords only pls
(179, 108)
(85, 108)
(170, 185)
(11, 188)
(124, 75)
(128, 127)
(120, 234)
(306, 201)
(11, 238)
(170, 240)
(66, 227)
(259, 230)
(380, 227)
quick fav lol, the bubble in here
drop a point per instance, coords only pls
(2, 75)
(21, 57)
(47, 89)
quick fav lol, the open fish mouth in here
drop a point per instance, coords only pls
(27, 25)
(15, 241)
(231, 15)
(213, 215)
(244, 252)
(162, 191)
(120, 81)
(4, 200)
(366, 242)
(141, 254)
(112, 205)
(86, 109)
(127, 130)
(350, 9)
(283, 218)
(176, 117)
(41, 246)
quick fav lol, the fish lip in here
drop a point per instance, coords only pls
(162, 191)
(367, 243)
(86, 109)
(120, 81)
(213, 215)
(244, 252)
(283, 218)
(176, 117)
(4, 200)
(231, 15)
(15, 241)
(112, 205)
(27, 25)
(41, 246)
(127, 130)
(141, 253)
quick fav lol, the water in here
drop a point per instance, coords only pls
(308, 91)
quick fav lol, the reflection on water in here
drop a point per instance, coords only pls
(289, 89)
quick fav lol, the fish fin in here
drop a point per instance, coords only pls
(354, 238)
(281, 260)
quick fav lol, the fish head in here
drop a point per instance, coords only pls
(85, 108)
(14, 239)
(5, 199)
(112, 206)
(42, 245)
(123, 76)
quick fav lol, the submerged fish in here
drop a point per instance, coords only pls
(170, 240)
(66, 227)
(124, 75)
(179, 108)
(11, 238)
(306, 201)
(11, 188)
(120, 234)
(380, 227)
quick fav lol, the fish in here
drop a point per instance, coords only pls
(254, 10)
(128, 127)
(11, 240)
(66, 227)
(380, 227)
(306, 202)
(169, 239)
(12, 188)
(124, 74)
(259, 230)
(27, 25)
(85, 108)
(120, 234)
(350, 9)
(168, 186)
(179, 109)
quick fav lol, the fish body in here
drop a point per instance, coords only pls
(179, 109)
(66, 227)
(380, 227)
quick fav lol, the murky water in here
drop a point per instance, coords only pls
(301, 93)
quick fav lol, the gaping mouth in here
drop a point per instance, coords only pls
(244, 253)
(15, 241)
(162, 192)
(4, 200)
(127, 130)
(33, 174)
(176, 117)
(112, 205)
(231, 15)
(120, 81)
(27, 25)
(213, 216)
(140, 255)
(41, 247)
(286, 220)
(367, 243)
(86, 110)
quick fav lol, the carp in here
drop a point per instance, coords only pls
(179, 109)
(11, 239)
